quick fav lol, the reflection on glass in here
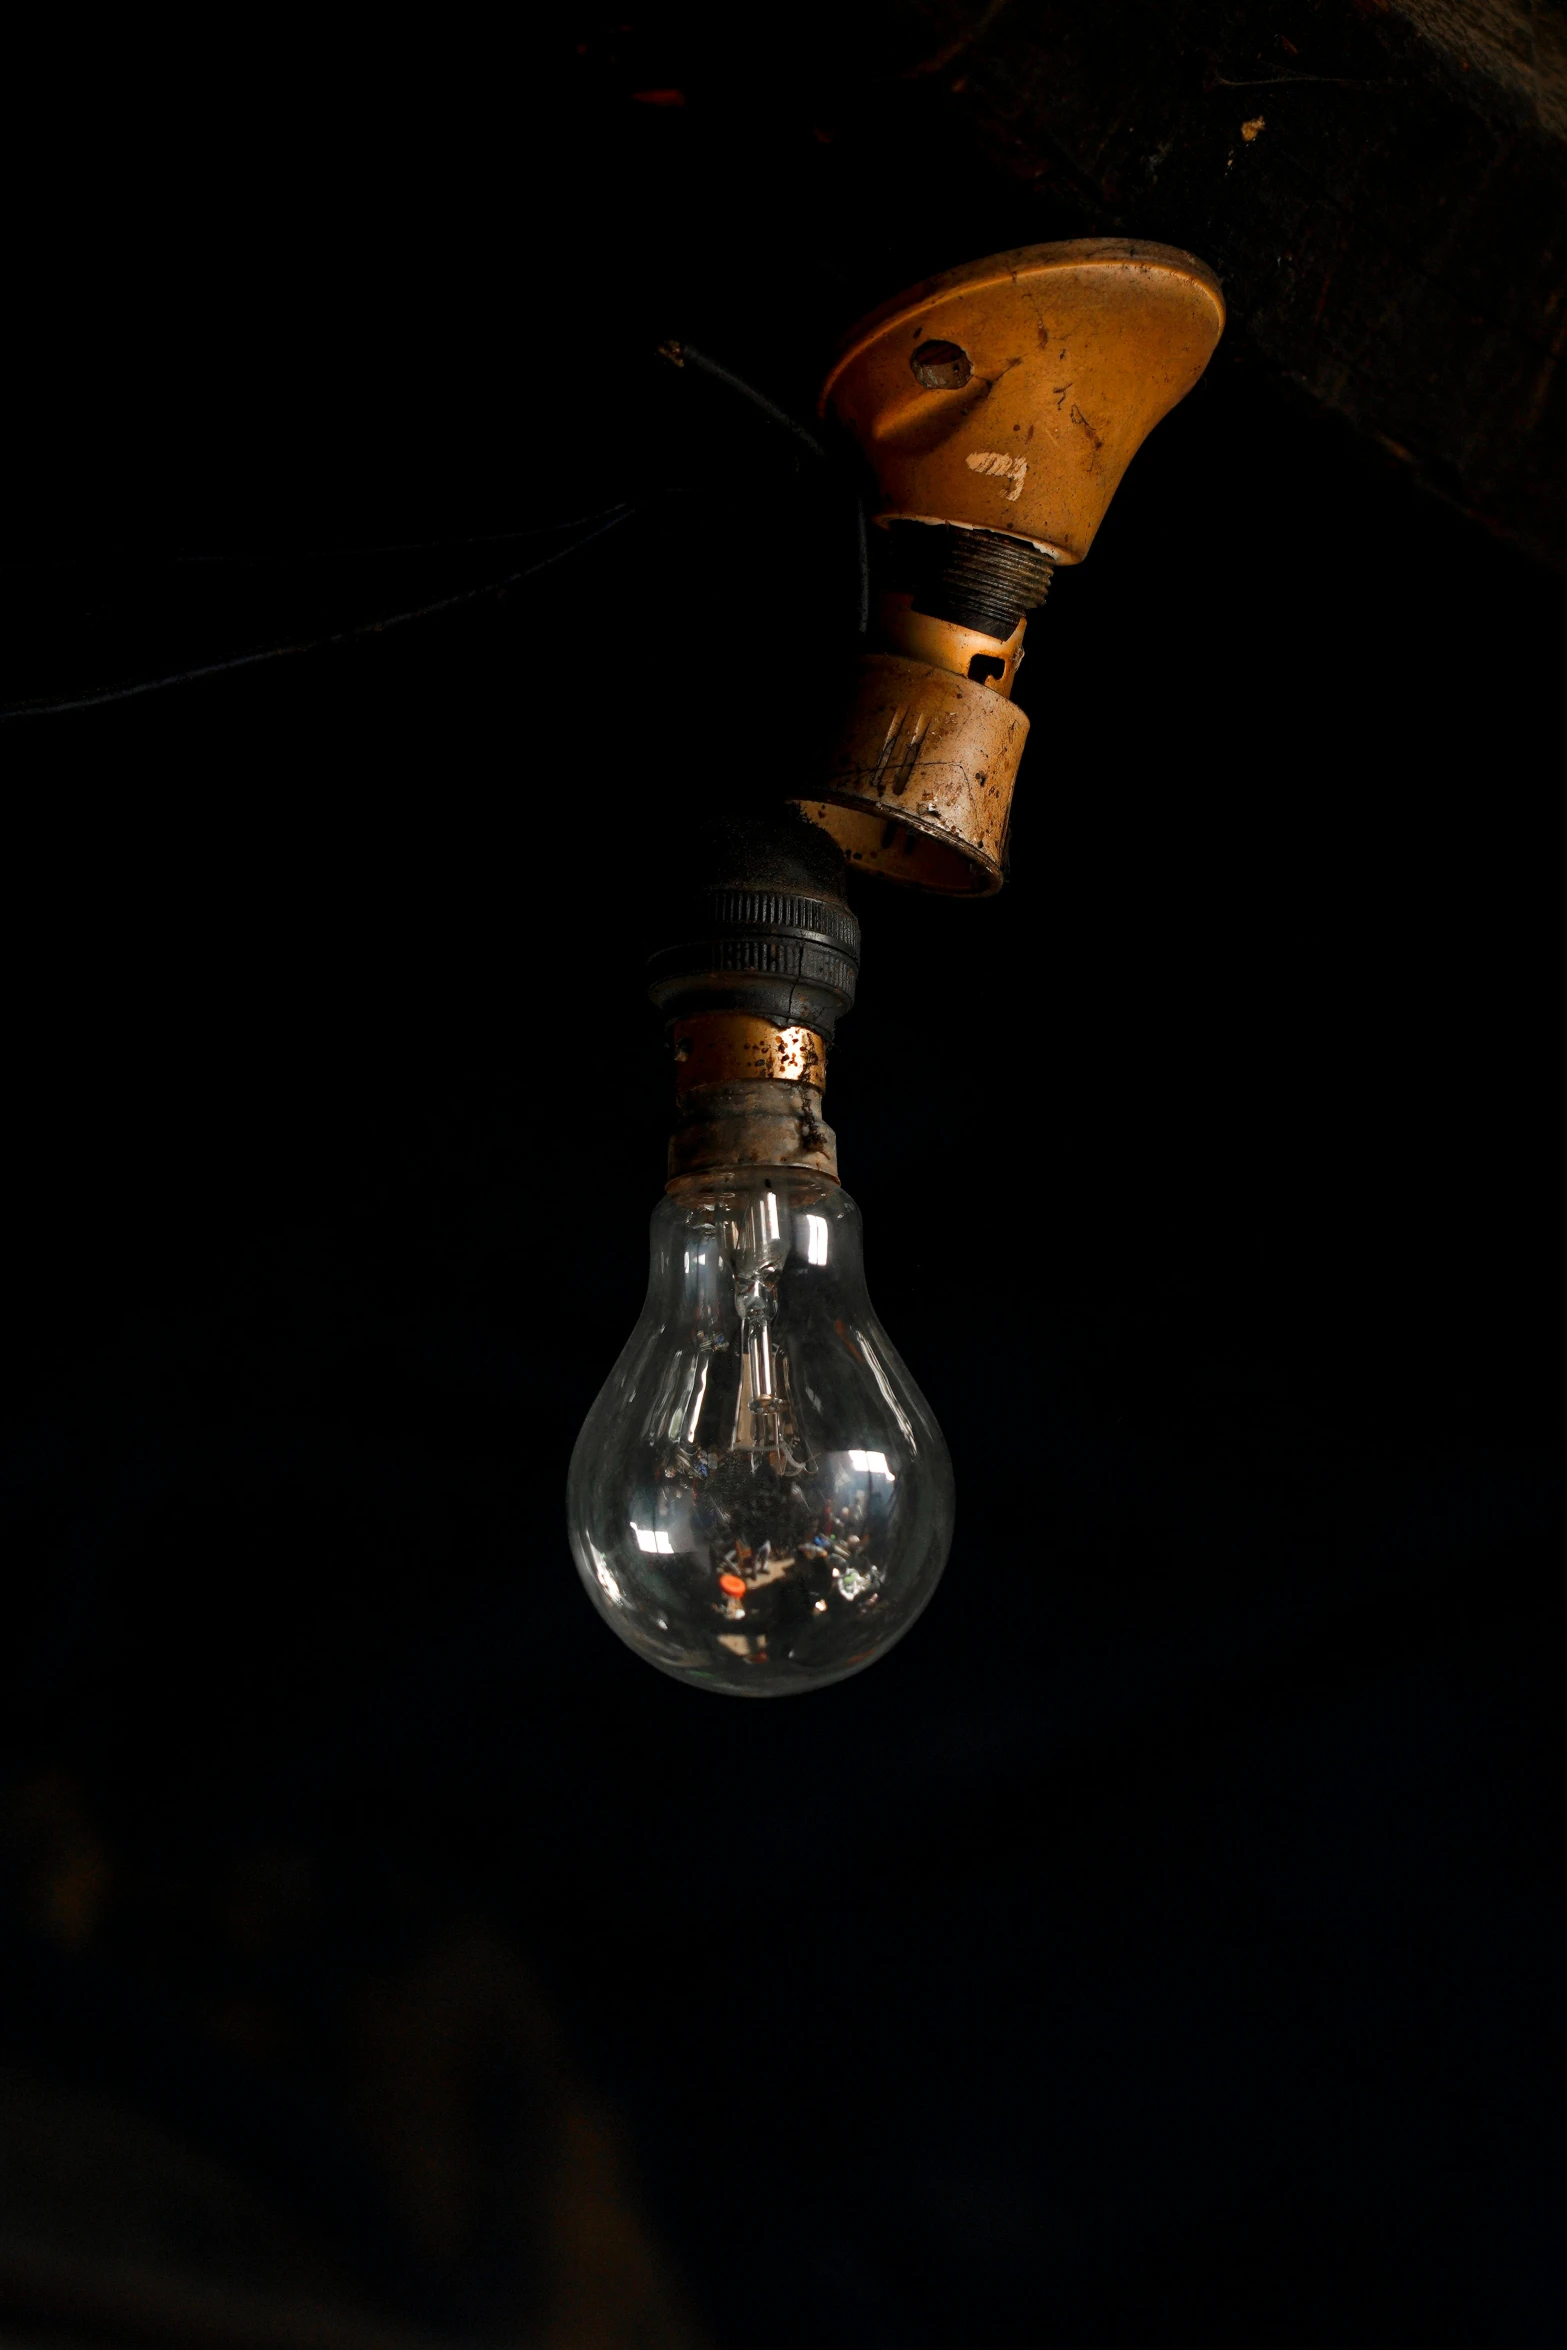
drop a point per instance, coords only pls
(760, 1500)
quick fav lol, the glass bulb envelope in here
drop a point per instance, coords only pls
(760, 1500)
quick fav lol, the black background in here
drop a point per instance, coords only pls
(1157, 1947)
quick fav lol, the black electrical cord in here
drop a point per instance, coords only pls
(341, 636)
(680, 354)
(687, 355)
(257, 556)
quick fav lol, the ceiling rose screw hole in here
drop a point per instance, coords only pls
(942, 367)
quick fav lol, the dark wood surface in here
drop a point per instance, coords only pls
(1383, 192)
(1389, 217)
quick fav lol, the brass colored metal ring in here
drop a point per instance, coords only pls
(729, 1048)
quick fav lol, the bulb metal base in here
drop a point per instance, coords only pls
(752, 1122)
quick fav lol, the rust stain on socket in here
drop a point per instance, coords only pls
(726, 1048)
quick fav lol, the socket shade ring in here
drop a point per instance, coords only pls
(1005, 398)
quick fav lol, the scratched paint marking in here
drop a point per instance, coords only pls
(1001, 468)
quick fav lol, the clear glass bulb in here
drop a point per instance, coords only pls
(760, 1500)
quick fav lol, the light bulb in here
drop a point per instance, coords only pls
(760, 1500)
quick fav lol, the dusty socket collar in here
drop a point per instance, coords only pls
(759, 963)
